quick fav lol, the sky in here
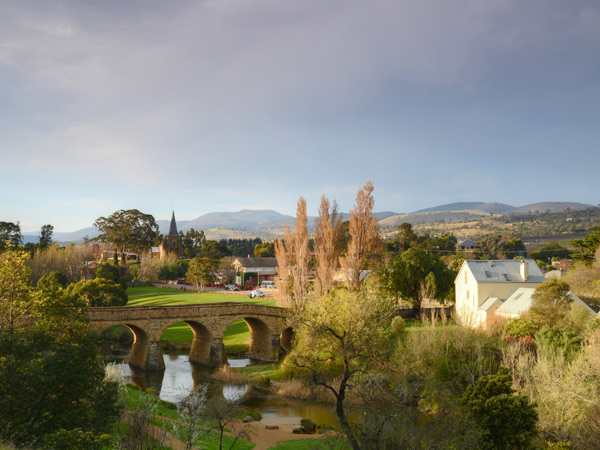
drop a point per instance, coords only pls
(223, 105)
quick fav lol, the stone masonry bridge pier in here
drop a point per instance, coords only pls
(208, 321)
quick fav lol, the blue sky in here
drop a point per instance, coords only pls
(223, 105)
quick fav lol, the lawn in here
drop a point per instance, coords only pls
(145, 296)
(236, 335)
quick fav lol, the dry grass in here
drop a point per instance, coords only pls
(297, 389)
(225, 374)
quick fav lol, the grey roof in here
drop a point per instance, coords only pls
(489, 302)
(173, 227)
(522, 299)
(468, 242)
(518, 303)
(258, 262)
(504, 271)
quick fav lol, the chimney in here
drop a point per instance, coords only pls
(524, 270)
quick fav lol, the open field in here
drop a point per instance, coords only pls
(236, 336)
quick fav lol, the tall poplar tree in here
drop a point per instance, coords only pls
(328, 230)
(365, 242)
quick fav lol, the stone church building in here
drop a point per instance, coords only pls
(171, 244)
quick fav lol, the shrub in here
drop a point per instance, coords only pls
(398, 325)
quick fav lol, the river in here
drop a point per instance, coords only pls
(180, 376)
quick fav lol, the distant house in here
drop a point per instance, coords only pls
(482, 286)
(344, 276)
(468, 246)
(255, 270)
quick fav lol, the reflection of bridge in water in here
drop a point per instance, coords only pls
(208, 321)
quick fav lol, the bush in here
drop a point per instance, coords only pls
(398, 325)
(307, 425)
(520, 327)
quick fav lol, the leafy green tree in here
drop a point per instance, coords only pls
(192, 241)
(588, 245)
(16, 298)
(201, 271)
(52, 282)
(515, 248)
(46, 236)
(406, 237)
(551, 250)
(214, 250)
(10, 232)
(339, 338)
(128, 230)
(98, 292)
(551, 304)
(520, 327)
(555, 340)
(111, 272)
(508, 421)
(415, 275)
(172, 269)
(264, 250)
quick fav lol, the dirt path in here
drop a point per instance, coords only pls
(263, 438)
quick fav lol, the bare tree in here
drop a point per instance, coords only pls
(70, 261)
(364, 236)
(328, 229)
(190, 411)
(293, 259)
(222, 411)
(140, 433)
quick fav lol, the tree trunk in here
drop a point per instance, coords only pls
(339, 409)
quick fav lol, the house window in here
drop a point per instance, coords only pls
(465, 277)
(467, 294)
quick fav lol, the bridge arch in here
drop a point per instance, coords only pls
(285, 339)
(144, 350)
(206, 348)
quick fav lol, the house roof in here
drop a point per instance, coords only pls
(173, 227)
(258, 262)
(489, 303)
(518, 303)
(522, 299)
(503, 271)
(468, 242)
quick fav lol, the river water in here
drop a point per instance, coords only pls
(180, 376)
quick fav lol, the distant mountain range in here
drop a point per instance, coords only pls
(269, 224)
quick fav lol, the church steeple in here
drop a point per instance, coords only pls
(172, 242)
(173, 227)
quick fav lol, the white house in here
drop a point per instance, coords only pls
(521, 300)
(482, 286)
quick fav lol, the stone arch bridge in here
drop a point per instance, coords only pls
(208, 321)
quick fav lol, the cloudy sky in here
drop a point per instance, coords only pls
(222, 105)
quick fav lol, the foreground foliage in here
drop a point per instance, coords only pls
(52, 388)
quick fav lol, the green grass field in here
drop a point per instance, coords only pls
(236, 335)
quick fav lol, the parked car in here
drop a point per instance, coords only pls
(257, 293)
(231, 287)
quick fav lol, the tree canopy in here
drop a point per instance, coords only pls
(415, 275)
(10, 232)
(128, 230)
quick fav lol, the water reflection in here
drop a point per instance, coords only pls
(235, 392)
(180, 377)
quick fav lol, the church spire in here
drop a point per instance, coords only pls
(173, 227)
